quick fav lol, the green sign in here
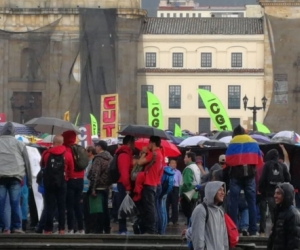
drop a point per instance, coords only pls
(155, 117)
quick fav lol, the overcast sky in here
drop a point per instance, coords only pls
(151, 5)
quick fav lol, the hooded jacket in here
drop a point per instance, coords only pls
(286, 229)
(124, 166)
(265, 187)
(98, 174)
(69, 140)
(210, 235)
(58, 150)
(14, 160)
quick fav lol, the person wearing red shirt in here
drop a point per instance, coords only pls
(57, 195)
(124, 167)
(74, 188)
(153, 160)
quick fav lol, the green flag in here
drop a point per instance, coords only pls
(76, 121)
(262, 128)
(94, 125)
(177, 131)
(155, 117)
(215, 110)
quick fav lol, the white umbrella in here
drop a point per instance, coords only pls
(193, 141)
(286, 134)
(226, 139)
(22, 138)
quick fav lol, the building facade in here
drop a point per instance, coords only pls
(178, 56)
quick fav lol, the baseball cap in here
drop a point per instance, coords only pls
(102, 144)
(222, 158)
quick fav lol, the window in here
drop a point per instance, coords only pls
(172, 122)
(174, 15)
(187, 15)
(234, 97)
(150, 60)
(204, 125)
(200, 102)
(168, 15)
(235, 122)
(199, 14)
(144, 99)
(206, 60)
(194, 14)
(236, 60)
(174, 97)
(181, 15)
(177, 60)
(161, 14)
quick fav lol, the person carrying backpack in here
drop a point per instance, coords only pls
(75, 182)
(57, 164)
(273, 173)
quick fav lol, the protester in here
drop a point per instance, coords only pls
(99, 184)
(14, 164)
(124, 163)
(153, 160)
(274, 172)
(208, 230)
(243, 156)
(285, 232)
(199, 163)
(173, 196)
(190, 181)
(58, 165)
(88, 218)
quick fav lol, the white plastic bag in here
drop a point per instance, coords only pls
(127, 208)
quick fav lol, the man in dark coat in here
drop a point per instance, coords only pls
(286, 228)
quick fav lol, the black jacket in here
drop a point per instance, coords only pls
(286, 229)
(265, 188)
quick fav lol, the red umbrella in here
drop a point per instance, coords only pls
(170, 150)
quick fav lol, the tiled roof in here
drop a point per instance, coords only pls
(203, 26)
(172, 70)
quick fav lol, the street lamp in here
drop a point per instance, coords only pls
(22, 108)
(264, 101)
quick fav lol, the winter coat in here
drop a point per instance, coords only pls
(191, 177)
(286, 229)
(265, 188)
(98, 174)
(14, 160)
(124, 166)
(210, 235)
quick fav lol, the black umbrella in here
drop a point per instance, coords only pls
(143, 131)
(221, 134)
(213, 143)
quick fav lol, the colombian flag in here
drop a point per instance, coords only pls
(243, 150)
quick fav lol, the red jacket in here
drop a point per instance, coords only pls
(124, 166)
(69, 163)
(69, 140)
(154, 172)
(138, 186)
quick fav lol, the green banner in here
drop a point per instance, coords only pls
(262, 128)
(155, 117)
(215, 110)
(76, 121)
(177, 131)
(94, 125)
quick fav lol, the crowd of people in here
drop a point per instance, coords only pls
(242, 184)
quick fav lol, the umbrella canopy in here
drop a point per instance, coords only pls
(51, 125)
(193, 141)
(22, 138)
(213, 143)
(110, 141)
(287, 134)
(20, 129)
(226, 139)
(48, 139)
(175, 140)
(170, 150)
(221, 134)
(260, 138)
(143, 131)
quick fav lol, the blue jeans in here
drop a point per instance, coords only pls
(24, 199)
(164, 221)
(158, 209)
(243, 213)
(120, 197)
(12, 187)
(248, 185)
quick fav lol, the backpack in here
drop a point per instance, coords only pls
(275, 175)
(54, 172)
(81, 160)
(167, 181)
(113, 168)
(232, 231)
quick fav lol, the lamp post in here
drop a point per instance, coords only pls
(255, 108)
(22, 108)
